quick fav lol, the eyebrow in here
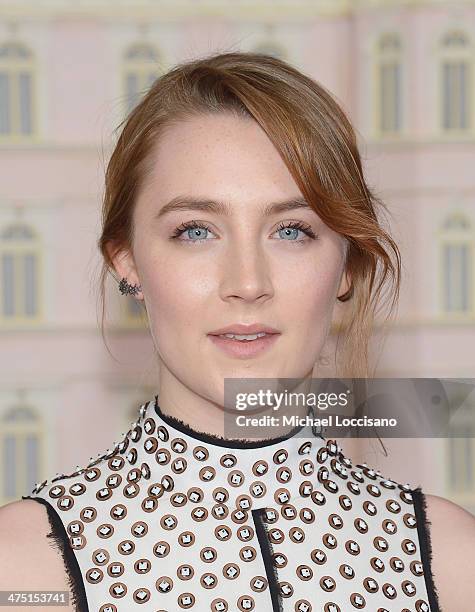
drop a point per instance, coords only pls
(182, 203)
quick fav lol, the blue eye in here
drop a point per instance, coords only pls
(198, 231)
(293, 227)
(194, 229)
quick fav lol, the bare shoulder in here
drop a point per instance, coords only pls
(28, 559)
(452, 535)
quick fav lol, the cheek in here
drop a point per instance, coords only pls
(177, 296)
(310, 296)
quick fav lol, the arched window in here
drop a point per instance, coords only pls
(456, 82)
(461, 457)
(16, 90)
(140, 71)
(21, 438)
(388, 89)
(457, 254)
(19, 271)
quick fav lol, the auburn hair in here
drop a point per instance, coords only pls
(316, 141)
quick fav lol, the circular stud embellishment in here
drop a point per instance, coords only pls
(141, 595)
(75, 528)
(346, 571)
(335, 521)
(377, 564)
(396, 564)
(280, 456)
(380, 543)
(345, 502)
(389, 590)
(416, 568)
(100, 556)
(327, 584)
(408, 587)
(55, 491)
(92, 474)
(179, 445)
(352, 547)
(357, 601)
(65, 503)
(208, 554)
(361, 525)
(318, 556)
(246, 603)
(389, 526)
(259, 584)
(115, 569)
(228, 461)
(118, 590)
(88, 514)
(318, 498)
(408, 546)
(371, 585)
(118, 512)
(77, 488)
(260, 468)
(116, 463)
(149, 426)
(185, 572)
(329, 540)
(161, 549)
(94, 575)
(126, 547)
(304, 572)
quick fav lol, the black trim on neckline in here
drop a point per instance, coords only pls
(213, 439)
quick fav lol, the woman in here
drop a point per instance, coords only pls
(235, 203)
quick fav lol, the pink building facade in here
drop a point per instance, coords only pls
(69, 72)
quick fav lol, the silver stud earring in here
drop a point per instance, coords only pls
(125, 288)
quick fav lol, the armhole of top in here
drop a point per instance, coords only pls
(423, 531)
(61, 541)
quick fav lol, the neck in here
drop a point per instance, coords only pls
(208, 418)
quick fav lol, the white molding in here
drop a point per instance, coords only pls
(270, 10)
(169, 10)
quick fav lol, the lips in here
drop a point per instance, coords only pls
(243, 349)
(242, 329)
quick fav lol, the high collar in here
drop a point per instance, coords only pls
(182, 460)
(223, 443)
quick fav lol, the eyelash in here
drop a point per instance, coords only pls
(306, 229)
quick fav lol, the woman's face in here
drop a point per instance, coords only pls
(233, 267)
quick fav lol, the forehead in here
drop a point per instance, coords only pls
(218, 155)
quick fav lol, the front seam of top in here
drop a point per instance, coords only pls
(267, 552)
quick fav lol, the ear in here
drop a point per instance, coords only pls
(124, 266)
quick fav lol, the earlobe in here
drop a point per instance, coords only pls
(124, 265)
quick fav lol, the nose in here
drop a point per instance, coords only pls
(246, 274)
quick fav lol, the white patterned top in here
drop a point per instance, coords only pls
(175, 519)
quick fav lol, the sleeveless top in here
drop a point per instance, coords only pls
(175, 519)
